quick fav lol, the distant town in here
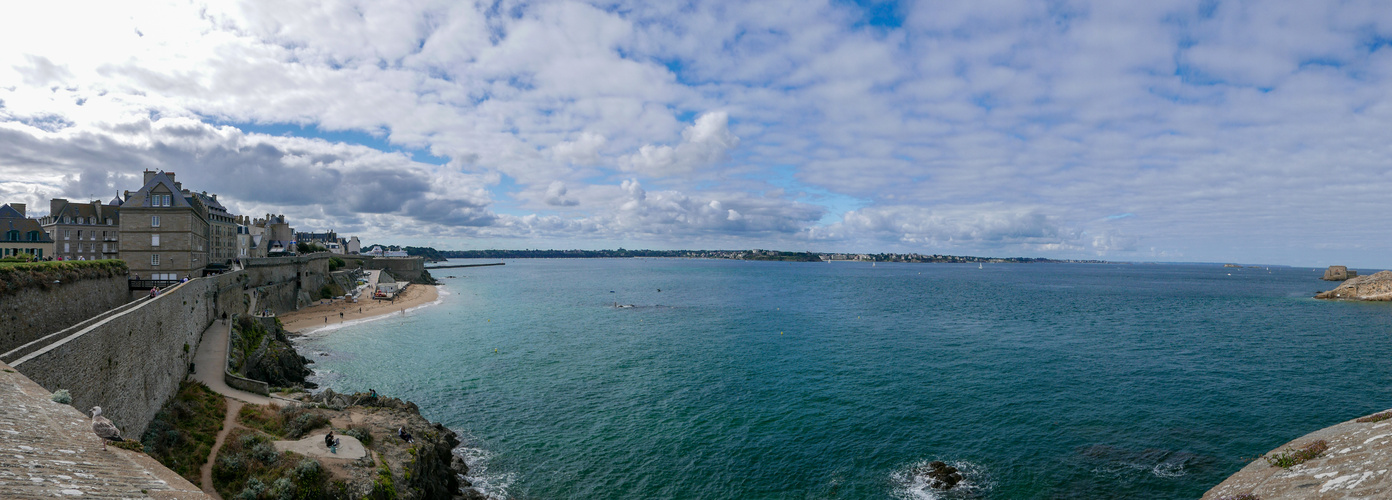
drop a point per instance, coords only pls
(431, 254)
(165, 231)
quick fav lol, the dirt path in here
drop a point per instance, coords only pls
(228, 423)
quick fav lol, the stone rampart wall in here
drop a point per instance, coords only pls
(131, 362)
(34, 312)
(404, 268)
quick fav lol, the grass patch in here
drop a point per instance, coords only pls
(248, 467)
(264, 418)
(1292, 457)
(1376, 417)
(183, 432)
(288, 422)
(16, 276)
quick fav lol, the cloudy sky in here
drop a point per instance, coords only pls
(1255, 132)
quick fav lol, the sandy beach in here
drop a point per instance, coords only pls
(327, 313)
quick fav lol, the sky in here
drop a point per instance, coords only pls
(1175, 131)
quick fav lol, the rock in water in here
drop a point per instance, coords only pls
(1376, 286)
(940, 475)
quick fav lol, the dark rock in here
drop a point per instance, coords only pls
(939, 475)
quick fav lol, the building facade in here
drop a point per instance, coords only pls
(164, 230)
(83, 231)
(22, 235)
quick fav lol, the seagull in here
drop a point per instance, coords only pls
(104, 429)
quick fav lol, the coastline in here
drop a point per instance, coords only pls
(326, 314)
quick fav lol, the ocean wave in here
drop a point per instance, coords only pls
(493, 485)
(909, 485)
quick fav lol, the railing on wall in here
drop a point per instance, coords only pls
(148, 284)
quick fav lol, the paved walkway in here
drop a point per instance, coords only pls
(211, 359)
(48, 450)
(349, 448)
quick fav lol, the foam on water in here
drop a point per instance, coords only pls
(493, 484)
(975, 482)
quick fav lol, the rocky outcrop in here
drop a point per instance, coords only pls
(1372, 287)
(423, 469)
(1338, 273)
(262, 351)
(1355, 464)
(939, 475)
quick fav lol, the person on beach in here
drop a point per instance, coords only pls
(340, 316)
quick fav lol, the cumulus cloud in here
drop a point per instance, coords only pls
(706, 142)
(1004, 126)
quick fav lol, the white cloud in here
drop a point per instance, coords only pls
(1008, 126)
(705, 143)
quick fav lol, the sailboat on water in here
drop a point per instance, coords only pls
(978, 265)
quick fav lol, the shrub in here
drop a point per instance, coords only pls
(1376, 417)
(61, 396)
(1291, 457)
(362, 434)
(303, 423)
(182, 433)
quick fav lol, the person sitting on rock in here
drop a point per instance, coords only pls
(331, 443)
(405, 436)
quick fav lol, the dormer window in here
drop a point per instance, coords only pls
(67, 220)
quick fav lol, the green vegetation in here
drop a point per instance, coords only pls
(1291, 457)
(16, 276)
(304, 248)
(383, 487)
(22, 257)
(336, 263)
(249, 468)
(292, 422)
(1376, 417)
(330, 290)
(182, 433)
(248, 337)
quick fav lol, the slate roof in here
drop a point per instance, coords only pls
(8, 212)
(177, 198)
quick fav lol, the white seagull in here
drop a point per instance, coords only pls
(104, 429)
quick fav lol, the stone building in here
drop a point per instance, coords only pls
(222, 232)
(354, 246)
(83, 231)
(276, 234)
(165, 230)
(20, 234)
(248, 239)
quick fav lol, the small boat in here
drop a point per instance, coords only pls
(978, 265)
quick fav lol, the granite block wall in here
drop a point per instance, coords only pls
(32, 313)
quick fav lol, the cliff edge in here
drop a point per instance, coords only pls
(1349, 460)
(1377, 286)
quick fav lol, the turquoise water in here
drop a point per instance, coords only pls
(779, 380)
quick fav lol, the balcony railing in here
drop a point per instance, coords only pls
(148, 284)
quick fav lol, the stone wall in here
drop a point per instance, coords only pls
(32, 313)
(130, 363)
(405, 268)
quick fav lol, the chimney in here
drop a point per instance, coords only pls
(149, 176)
(19, 207)
(56, 204)
(170, 175)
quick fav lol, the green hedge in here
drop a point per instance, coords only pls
(20, 276)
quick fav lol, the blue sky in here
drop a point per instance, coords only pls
(1213, 131)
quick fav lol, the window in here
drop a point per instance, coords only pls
(65, 248)
(12, 235)
(166, 200)
(154, 221)
(154, 240)
(79, 234)
(67, 220)
(108, 221)
(154, 259)
(67, 234)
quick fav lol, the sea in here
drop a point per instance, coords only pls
(686, 378)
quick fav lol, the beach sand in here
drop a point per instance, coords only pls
(326, 313)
